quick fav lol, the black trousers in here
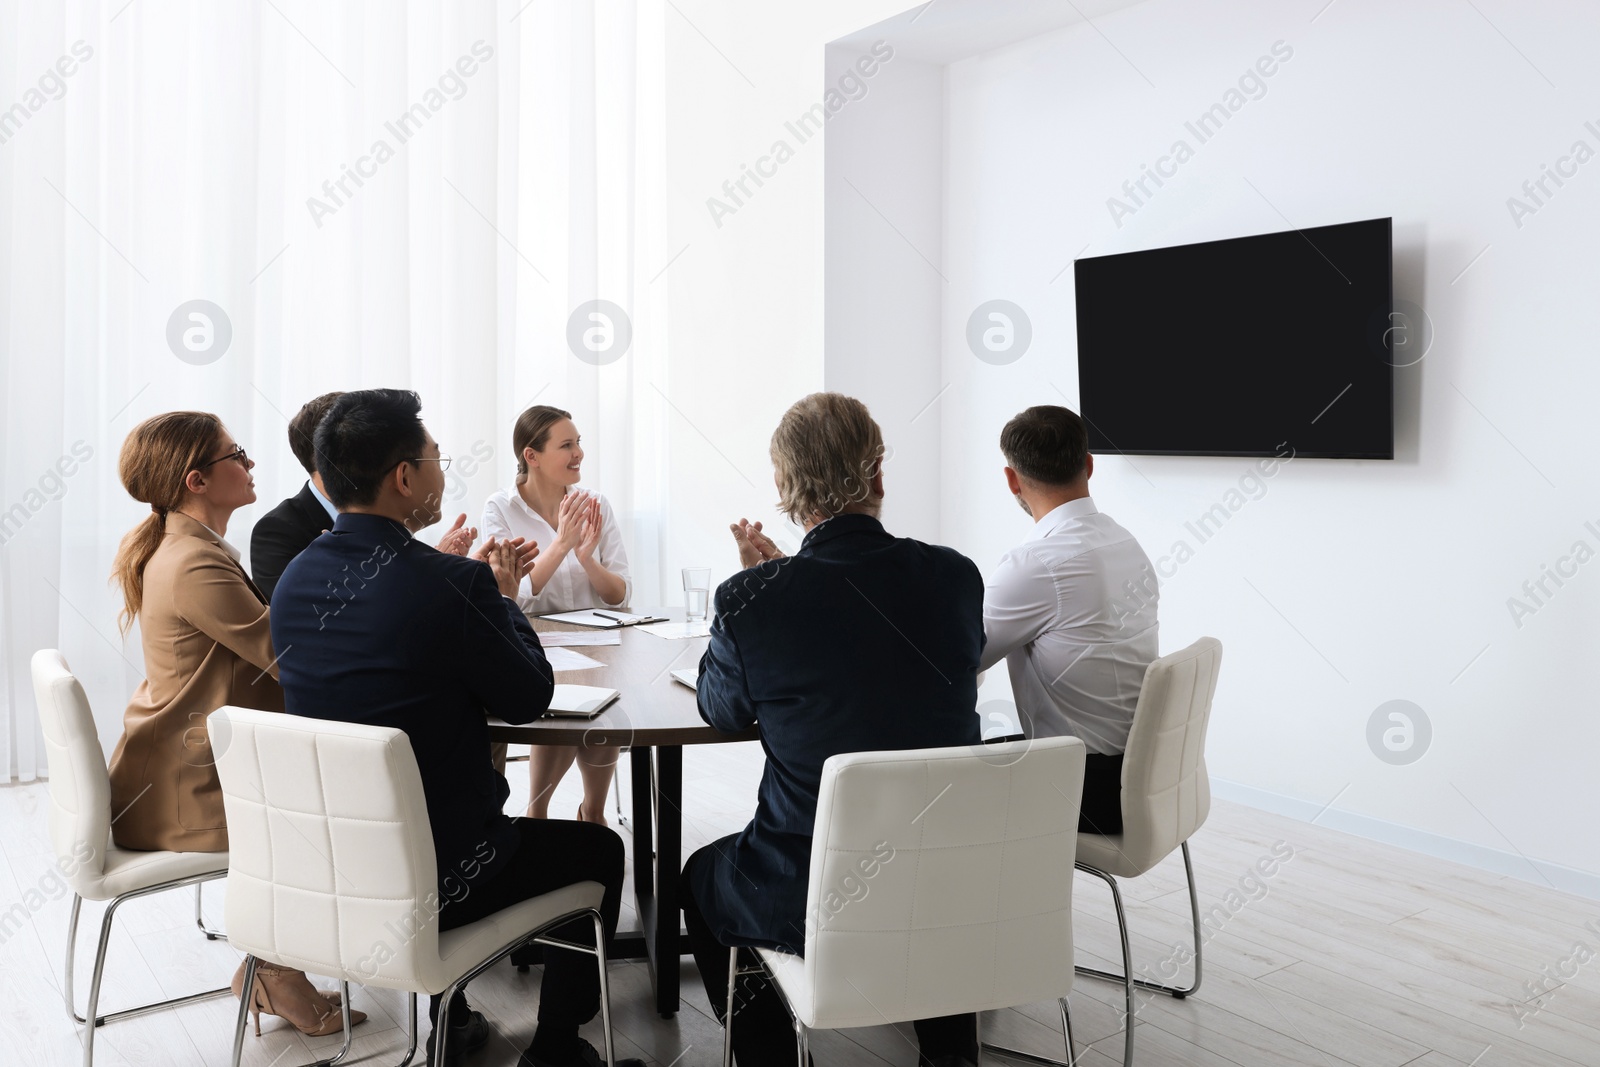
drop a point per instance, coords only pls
(763, 1036)
(1102, 795)
(553, 853)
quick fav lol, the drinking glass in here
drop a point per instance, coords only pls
(696, 592)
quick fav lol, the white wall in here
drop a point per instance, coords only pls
(1347, 584)
(884, 293)
(746, 293)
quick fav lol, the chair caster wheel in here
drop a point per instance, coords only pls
(668, 1015)
(1180, 996)
(212, 937)
(522, 968)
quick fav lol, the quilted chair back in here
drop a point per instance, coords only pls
(941, 882)
(331, 856)
(1166, 793)
(80, 788)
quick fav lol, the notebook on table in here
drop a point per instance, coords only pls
(580, 701)
(686, 676)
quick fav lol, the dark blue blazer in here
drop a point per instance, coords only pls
(372, 626)
(859, 642)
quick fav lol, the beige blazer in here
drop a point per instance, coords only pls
(207, 642)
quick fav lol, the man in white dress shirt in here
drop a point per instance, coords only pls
(1072, 609)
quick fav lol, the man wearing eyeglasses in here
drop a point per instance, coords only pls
(372, 626)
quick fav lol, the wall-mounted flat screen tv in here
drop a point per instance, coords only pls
(1245, 347)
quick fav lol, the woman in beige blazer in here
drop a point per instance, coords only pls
(207, 642)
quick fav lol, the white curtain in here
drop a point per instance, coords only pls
(413, 194)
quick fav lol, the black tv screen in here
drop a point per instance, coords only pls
(1245, 347)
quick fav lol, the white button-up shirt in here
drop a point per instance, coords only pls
(1073, 612)
(327, 505)
(507, 515)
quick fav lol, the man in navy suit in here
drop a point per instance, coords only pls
(373, 626)
(861, 641)
(283, 533)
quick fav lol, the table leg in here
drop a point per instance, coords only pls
(668, 946)
(643, 824)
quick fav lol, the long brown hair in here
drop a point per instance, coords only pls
(157, 456)
(533, 431)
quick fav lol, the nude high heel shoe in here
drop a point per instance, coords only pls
(290, 995)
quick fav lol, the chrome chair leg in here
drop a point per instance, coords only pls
(735, 972)
(344, 1017)
(441, 1024)
(727, 1014)
(1176, 992)
(597, 950)
(199, 917)
(72, 956)
(92, 1011)
(1066, 1030)
(1016, 1054)
(244, 1010)
(1125, 979)
(605, 987)
(411, 1049)
(243, 1018)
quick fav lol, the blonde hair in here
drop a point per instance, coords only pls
(826, 450)
(156, 458)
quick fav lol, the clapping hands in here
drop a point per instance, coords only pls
(457, 541)
(754, 546)
(510, 560)
(590, 537)
(578, 525)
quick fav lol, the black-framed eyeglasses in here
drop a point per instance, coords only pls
(238, 453)
(441, 459)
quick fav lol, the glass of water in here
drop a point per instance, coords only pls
(696, 592)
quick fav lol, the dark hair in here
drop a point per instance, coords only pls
(303, 429)
(533, 431)
(364, 436)
(1046, 445)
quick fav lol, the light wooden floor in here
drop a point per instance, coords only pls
(1352, 953)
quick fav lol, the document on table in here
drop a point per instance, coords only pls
(564, 659)
(554, 638)
(603, 620)
(677, 630)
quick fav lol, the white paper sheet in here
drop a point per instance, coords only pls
(677, 630)
(557, 638)
(564, 659)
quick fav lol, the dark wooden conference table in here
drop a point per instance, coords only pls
(653, 718)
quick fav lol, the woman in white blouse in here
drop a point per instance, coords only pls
(581, 564)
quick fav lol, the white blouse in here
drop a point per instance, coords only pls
(506, 515)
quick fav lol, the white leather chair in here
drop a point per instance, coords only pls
(80, 834)
(971, 912)
(333, 868)
(1166, 796)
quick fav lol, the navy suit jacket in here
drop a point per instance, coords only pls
(859, 642)
(372, 626)
(283, 533)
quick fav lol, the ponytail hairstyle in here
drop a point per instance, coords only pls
(533, 431)
(156, 458)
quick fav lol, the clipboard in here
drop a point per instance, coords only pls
(601, 619)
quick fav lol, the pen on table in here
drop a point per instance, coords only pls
(613, 618)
